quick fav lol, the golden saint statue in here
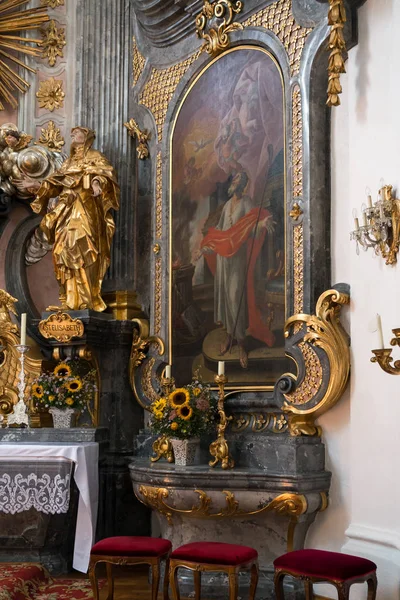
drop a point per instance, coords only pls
(80, 225)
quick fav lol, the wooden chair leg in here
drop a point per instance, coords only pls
(343, 590)
(372, 583)
(233, 585)
(197, 585)
(110, 581)
(254, 581)
(166, 581)
(155, 580)
(93, 580)
(308, 588)
(278, 584)
(173, 579)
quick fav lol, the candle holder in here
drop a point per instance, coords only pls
(19, 415)
(219, 449)
(162, 447)
(384, 356)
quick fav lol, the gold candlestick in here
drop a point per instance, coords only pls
(162, 447)
(219, 449)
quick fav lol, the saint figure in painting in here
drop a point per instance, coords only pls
(231, 250)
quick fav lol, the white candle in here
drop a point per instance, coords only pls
(221, 367)
(23, 329)
(380, 332)
(364, 219)
(168, 373)
(369, 201)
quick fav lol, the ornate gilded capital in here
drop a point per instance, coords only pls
(337, 48)
(141, 136)
(325, 340)
(50, 136)
(215, 23)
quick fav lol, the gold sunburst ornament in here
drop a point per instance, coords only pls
(14, 22)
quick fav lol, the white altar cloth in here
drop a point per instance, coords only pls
(85, 456)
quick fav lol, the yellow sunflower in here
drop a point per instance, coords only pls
(179, 397)
(158, 414)
(196, 391)
(62, 370)
(174, 426)
(184, 412)
(52, 398)
(37, 391)
(159, 405)
(69, 401)
(74, 386)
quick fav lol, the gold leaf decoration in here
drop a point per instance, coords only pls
(52, 3)
(337, 47)
(51, 94)
(53, 43)
(215, 23)
(14, 21)
(51, 137)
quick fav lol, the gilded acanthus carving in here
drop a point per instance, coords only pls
(53, 43)
(142, 137)
(215, 22)
(258, 422)
(141, 343)
(323, 331)
(51, 137)
(337, 48)
(52, 3)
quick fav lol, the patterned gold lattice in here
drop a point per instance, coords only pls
(160, 88)
(159, 199)
(158, 297)
(278, 17)
(298, 251)
(297, 143)
(312, 382)
(138, 63)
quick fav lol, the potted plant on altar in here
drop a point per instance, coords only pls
(64, 392)
(183, 416)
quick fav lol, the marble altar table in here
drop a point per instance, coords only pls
(84, 456)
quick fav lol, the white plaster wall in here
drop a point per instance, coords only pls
(362, 433)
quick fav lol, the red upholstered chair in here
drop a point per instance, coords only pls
(214, 556)
(317, 566)
(130, 550)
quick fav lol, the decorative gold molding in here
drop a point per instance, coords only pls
(159, 198)
(161, 86)
(158, 297)
(142, 137)
(162, 448)
(51, 94)
(50, 136)
(215, 22)
(60, 326)
(298, 268)
(138, 63)
(279, 19)
(297, 133)
(141, 343)
(337, 47)
(258, 422)
(311, 384)
(296, 212)
(52, 3)
(324, 331)
(53, 43)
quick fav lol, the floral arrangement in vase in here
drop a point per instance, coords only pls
(184, 415)
(67, 388)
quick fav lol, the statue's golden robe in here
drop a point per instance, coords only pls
(81, 226)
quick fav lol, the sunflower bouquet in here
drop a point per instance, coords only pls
(64, 387)
(187, 412)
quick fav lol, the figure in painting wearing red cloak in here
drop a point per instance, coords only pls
(231, 250)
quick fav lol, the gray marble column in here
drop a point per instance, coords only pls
(102, 90)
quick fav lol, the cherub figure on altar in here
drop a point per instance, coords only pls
(80, 225)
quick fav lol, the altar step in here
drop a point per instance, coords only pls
(29, 581)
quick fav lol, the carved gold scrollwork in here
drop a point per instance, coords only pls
(142, 137)
(337, 47)
(276, 423)
(289, 504)
(142, 341)
(324, 331)
(162, 448)
(216, 38)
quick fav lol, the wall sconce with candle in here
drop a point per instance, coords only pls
(383, 356)
(380, 225)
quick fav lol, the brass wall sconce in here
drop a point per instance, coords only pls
(380, 228)
(384, 356)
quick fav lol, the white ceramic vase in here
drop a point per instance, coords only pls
(62, 417)
(185, 451)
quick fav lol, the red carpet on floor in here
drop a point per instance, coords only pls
(28, 581)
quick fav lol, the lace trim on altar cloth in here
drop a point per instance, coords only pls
(44, 486)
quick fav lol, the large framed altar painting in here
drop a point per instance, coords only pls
(227, 222)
